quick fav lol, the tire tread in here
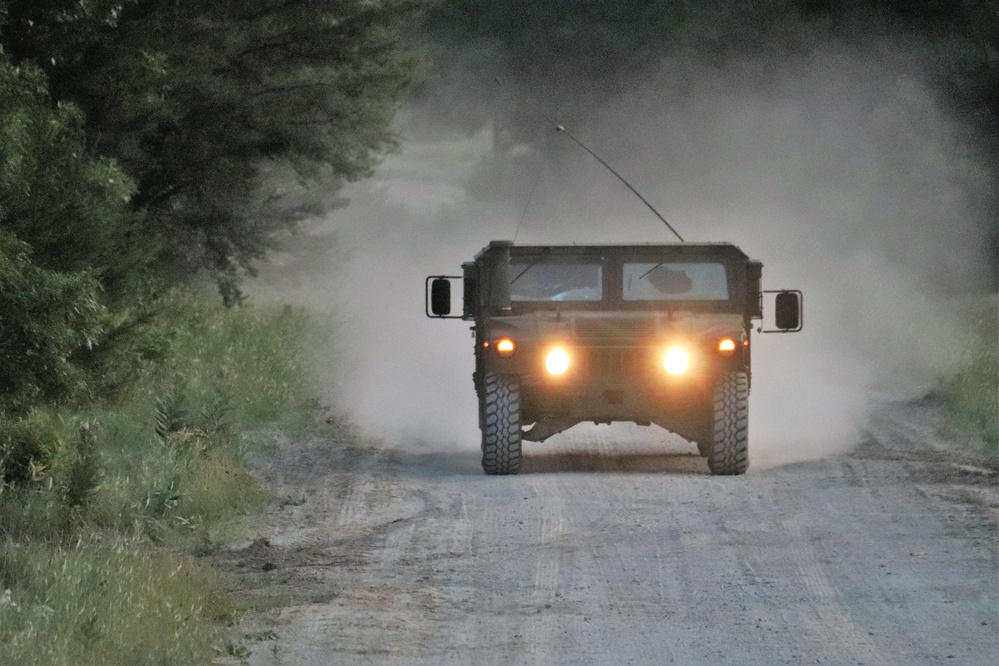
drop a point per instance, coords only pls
(501, 431)
(729, 453)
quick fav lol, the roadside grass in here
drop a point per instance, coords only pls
(108, 604)
(971, 397)
(105, 506)
(252, 368)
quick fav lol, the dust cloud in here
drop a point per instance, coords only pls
(837, 169)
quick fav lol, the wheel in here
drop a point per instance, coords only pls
(501, 433)
(729, 452)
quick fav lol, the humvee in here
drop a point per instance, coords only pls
(606, 333)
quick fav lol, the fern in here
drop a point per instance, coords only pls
(171, 413)
(215, 413)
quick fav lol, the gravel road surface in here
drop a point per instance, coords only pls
(616, 546)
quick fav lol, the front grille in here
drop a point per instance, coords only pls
(616, 363)
(615, 328)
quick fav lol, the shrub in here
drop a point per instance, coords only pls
(26, 449)
(47, 317)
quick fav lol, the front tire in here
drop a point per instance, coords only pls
(501, 431)
(729, 453)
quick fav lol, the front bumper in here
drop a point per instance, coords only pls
(614, 383)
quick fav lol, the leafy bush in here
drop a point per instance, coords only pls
(47, 318)
(26, 450)
(71, 276)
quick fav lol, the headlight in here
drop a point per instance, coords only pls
(726, 345)
(676, 361)
(505, 347)
(557, 361)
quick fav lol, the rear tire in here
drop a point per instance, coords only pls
(501, 432)
(729, 454)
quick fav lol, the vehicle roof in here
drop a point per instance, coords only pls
(666, 249)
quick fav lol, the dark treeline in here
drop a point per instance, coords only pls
(143, 142)
(220, 112)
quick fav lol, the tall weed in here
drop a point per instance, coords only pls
(254, 361)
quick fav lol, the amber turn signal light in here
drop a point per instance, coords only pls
(726, 345)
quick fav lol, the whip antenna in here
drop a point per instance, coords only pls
(562, 129)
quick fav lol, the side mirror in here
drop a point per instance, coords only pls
(437, 296)
(440, 297)
(787, 311)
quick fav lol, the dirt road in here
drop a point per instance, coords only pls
(615, 546)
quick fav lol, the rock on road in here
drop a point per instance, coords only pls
(615, 546)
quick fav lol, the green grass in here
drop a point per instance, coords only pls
(105, 506)
(108, 604)
(250, 365)
(971, 397)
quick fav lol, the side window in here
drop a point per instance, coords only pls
(668, 281)
(555, 281)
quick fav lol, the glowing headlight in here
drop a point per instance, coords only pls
(726, 345)
(505, 347)
(676, 361)
(557, 361)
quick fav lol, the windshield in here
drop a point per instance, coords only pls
(555, 281)
(675, 281)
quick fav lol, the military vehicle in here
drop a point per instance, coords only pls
(650, 334)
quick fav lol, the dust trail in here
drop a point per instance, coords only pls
(837, 170)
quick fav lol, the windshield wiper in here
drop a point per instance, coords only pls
(659, 265)
(521, 273)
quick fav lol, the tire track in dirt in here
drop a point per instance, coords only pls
(549, 560)
(614, 549)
